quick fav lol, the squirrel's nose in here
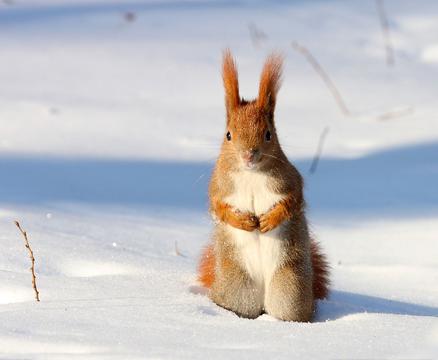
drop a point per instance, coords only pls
(250, 154)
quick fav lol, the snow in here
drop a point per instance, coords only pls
(108, 132)
(430, 54)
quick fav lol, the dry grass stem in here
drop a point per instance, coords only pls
(390, 58)
(324, 76)
(257, 35)
(319, 149)
(394, 114)
(177, 252)
(32, 259)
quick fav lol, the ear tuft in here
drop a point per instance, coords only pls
(270, 81)
(231, 82)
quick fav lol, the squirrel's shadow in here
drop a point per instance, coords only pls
(342, 303)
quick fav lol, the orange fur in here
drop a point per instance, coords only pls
(231, 82)
(319, 263)
(282, 211)
(244, 221)
(206, 267)
(270, 82)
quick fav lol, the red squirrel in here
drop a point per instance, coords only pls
(262, 258)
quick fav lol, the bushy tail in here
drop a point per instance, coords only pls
(319, 263)
(320, 272)
(206, 267)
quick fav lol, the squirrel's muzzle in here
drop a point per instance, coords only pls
(250, 157)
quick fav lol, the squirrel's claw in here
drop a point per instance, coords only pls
(267, 223)
(246, 221)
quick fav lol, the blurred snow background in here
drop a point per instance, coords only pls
(111, 116)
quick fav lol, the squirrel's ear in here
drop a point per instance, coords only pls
(270, 82)
(231, 82)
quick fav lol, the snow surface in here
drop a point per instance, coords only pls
(109, 126)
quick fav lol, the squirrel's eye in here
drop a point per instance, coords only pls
(268, 136)
(228, 136)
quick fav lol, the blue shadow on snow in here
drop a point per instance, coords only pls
(400, 180)
(343, 303)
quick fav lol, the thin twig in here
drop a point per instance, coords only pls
(319, 149)
(390, 58)
(177, 252)
(257, 35)
(32, 259)
(199, 178)
(394, 114)
(324, 76)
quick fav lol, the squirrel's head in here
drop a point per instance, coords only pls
(250, 135)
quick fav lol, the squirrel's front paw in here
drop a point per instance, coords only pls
(269, 221)
(245, 221)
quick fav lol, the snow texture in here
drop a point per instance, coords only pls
(111, 116)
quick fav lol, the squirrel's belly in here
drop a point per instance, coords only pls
(259, 254)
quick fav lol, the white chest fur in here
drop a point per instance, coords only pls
(260, 254)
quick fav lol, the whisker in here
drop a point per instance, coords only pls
(275, 157)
